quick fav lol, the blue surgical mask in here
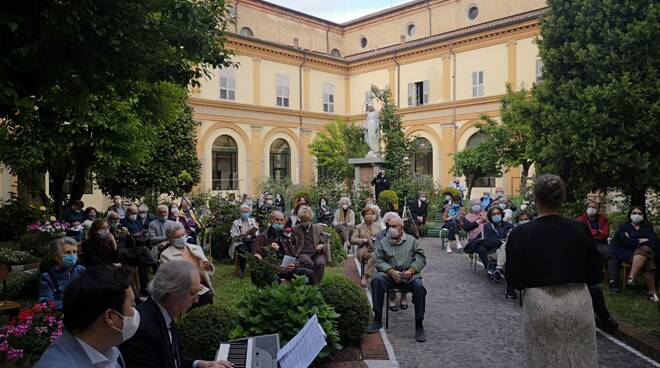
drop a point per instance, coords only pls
(69, 260)
(497, 219)
(476, 209)
(162, 218)
(181, 242)
(523, 222)
(245, 216)
(278, 227)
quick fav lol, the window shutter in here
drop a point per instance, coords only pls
(411, 94)
(426, 91)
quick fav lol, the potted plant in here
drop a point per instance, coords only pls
(18, 260)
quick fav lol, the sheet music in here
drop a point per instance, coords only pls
(301, 351)
(288, 260)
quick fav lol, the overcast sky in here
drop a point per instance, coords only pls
(340, 10)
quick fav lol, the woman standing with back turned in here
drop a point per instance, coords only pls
(553, 260)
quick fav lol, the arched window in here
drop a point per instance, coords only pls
(423, 157)
(225, 164)
(474, 140)
(335, 53)
(363, 42)
(247, 32)
(411, 29)
(280, 160)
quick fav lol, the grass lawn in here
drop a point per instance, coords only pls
(229, 288)
(632, 306)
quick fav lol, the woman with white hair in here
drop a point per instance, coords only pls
(180, 249)
(243, 231)
(344, 221)
(64, 252)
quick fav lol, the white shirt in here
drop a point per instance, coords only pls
(107, 359)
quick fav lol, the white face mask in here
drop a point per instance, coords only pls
(523, 222)
(117, 202)
(103, 232)
(636, 218)
(143, 215)
(181, 242)
(133, 217)
(131, 324)
(591, 211)
(393, 232)
(174, 211)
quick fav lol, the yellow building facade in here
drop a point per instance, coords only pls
(446, 61)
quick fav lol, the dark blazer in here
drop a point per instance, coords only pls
(299, 239)
(623, 246)
(420, 210)
(66, 352)
(150, 347)
(98, 252)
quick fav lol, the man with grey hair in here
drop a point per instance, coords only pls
(399, 259)
(64, 251)
(173, 291)
(311, 248)
(157, 227)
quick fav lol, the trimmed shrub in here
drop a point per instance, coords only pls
(284, 309)
(337, 250)
(349, 300)
(202, 329)
(388, 200)
(450, 190)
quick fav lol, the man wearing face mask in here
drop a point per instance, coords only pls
(380, 183)
(52, 284)
(180, 249)
(420, 209)
(399, 259)
(460, 186)
(310, 248)
(157, 228)
(117, 206)
(98, 316)
(598, 227)
(281, 245)
(174, 289)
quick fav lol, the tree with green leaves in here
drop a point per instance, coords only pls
(334, 145)
(398, 148)
(519, 110)
(475, 162)
(85, 85)
(600, 97)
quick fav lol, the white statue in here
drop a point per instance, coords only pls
(372, 128)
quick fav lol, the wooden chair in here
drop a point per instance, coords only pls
(624, 275)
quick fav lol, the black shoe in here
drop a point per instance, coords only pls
(609, 325)
(614, 288)
(374, 327)
(497, 276)
(420, 336)
(511, 294)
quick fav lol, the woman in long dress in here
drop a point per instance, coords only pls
(553, 260)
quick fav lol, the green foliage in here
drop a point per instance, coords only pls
(203, 328)
(349, 300)
(388, 200)
(451, 191)
(513, 144)
(23, 286)
(170, 166)
(13, 257)
(17, 213)
(476, 162)
(600, 123)
(412, 185)
(397, 147)
(333, 146)
(223, 210)
(337, 250)
(83, 90)
(616, 219)
(284, 309)
(36, 243)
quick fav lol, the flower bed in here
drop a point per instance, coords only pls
(27, 336)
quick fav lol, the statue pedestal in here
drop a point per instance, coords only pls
(366, 169)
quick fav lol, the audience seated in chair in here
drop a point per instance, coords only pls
(452, 217)
(363, 238)
(53, 282)
(311, 247)
(494, 235)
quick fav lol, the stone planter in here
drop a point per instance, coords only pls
(17, 268)
(24, 267)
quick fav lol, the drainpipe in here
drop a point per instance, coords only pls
(236, 16)
(453, 98)
(398, 79)
(300, 118)
(327, 40)
(428, 6)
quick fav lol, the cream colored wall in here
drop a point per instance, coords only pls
(386, 33)
(210, 88)
(492, 60)
(360, 83)
(267, 83)
(526, 55)
(316, 80)
(6, 183)
(430, 70)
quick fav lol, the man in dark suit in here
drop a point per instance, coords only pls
(98, 316)
(174, 289)
(420, 209)
(380, 183)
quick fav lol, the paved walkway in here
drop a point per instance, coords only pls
(470, 324)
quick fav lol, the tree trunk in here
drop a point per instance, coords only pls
(57, 190)
(78, 184)
(471, 181)
(523, 178)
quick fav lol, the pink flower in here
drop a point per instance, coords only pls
(14, 354)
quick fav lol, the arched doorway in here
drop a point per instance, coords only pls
(423, 157)
(225, 164)
(474, 140)
(280, 160)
